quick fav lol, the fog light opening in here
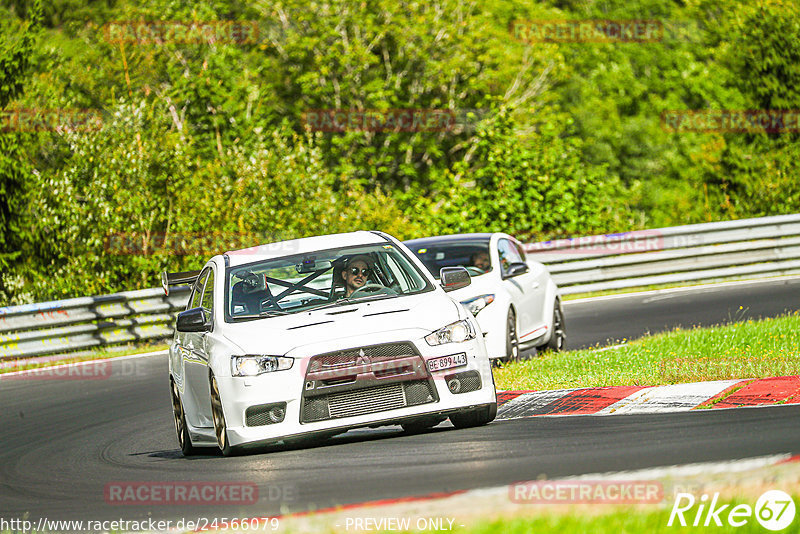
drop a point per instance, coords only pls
(454, 384)
(277, 414)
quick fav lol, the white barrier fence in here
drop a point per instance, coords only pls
(750, 248)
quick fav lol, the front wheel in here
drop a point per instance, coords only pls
(184, 439)
(220, 428)
(559, 335)
(512, 338)
(477, 417)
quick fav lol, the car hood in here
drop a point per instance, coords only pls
(333, 326)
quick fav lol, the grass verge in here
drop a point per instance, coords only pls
(621, 520)
(749, 349)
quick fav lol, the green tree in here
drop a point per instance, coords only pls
(15, 51)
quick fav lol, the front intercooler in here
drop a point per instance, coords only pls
(365, 380)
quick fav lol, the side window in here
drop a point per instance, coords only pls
(197, 291)
(520, 251)
(398, 274)
(508, 254)
(208, 293)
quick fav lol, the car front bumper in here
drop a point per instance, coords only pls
(389, 389)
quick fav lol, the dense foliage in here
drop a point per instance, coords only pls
(201, 144)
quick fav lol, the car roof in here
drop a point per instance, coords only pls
(454, 238)
(302, 246)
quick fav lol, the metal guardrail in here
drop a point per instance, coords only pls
(750, 248)
(67, 325)
(747, 248)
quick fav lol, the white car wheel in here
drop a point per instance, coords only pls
(559, 336)
(220, 428)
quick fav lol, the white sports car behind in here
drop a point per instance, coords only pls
(312, 337)
(515, 300)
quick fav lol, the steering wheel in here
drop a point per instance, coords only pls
(372, 289)
(475, 271)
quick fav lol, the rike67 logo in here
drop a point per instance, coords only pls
(774, 510)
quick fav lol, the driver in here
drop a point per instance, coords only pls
(355, 274)
(481, 260)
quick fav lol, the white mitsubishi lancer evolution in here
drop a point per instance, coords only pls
(315, 336)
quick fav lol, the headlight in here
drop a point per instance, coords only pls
(452, 333)
(253, 365)
(474, 305)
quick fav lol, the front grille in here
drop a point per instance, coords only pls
(341, 358)
(315, 409)
(367, 400)
(418, 393)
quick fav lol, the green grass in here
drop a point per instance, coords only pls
(619, 521)
(749, 349)
(94, 354)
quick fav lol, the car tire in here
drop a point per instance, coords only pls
(512, 337)
(559, 335)
(477, 417)
(218, 415)
(421, 425)
(179, 415)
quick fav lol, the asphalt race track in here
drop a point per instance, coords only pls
(611, 319)
(64, 441)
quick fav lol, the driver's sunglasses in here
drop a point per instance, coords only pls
(355, 270)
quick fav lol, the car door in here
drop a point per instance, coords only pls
(179, 342)
(536, 281)
(521, 287)
(195, 356)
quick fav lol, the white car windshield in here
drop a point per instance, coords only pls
(328, 278)
(474, 255)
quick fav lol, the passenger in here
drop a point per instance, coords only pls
(481, 261)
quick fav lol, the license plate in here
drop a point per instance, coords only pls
(447, 362)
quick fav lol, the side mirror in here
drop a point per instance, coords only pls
(515, 269)
(454, 278)
(193, 320)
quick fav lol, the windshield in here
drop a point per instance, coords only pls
(324, 278)
(474, 255)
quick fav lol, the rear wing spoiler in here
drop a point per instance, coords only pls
(176, 279)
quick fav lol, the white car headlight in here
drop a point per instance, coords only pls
(452, 333)
(254, 365)
(476, 304)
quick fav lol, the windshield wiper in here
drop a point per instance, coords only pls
(350, 300)
(263, 314)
